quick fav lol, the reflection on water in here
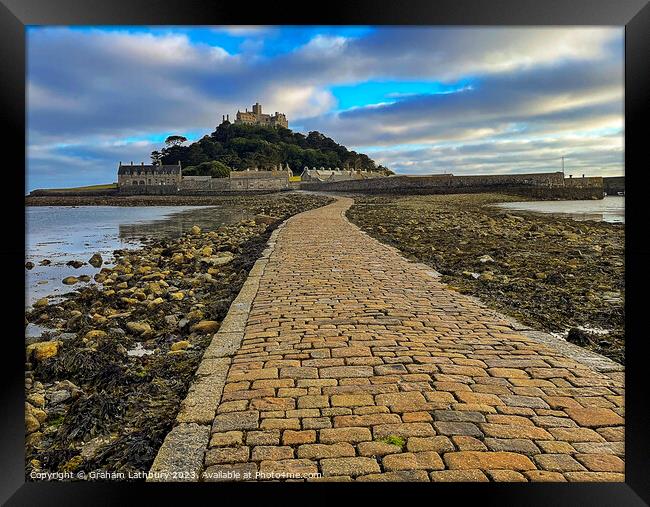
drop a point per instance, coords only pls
(610, 209)
(207, 218)
(64, 233)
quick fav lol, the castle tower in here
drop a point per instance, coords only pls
(257, 108)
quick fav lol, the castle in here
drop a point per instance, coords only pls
(256, 117)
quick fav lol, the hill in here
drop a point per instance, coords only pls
(242, 146)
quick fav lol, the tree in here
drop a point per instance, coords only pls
(213, 168)
(239, 146)
(156, 157)
(175, 140)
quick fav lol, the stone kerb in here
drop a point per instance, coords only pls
(180, 458)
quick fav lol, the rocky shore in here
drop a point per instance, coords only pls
(105, 381)
(551, 273)
(151, 200)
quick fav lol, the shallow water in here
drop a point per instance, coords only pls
(610, 209)
(65, 233)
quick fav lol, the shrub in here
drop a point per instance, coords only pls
(214, 168)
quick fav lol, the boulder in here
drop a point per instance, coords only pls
(139, 327)
(29, 265)
(195, 230)
(206, 326)
(265, 219)
(40, 351)
(181, 345)
(96, 260)
(41, 303)
(31, 424)
(40, 415)
(36, 399)
(70, 280)
(94, 334)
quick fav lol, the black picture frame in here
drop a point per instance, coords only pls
(633, 14)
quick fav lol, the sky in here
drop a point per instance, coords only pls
(419, 100)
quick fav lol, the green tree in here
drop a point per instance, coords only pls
(175, 140)
(156, 157)
(212, 168)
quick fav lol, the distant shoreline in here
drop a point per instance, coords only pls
(139, 200)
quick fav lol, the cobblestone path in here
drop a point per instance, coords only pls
(357, 364)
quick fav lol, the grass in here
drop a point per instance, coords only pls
(104, 186)
(394, 440)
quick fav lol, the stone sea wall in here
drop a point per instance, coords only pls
(614, 184)
(540, 185)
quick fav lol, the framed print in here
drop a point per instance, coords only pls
(383, 243)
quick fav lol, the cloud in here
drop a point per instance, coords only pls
(89, 89)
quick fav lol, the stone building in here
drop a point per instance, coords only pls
(256, 117)
(260, 180)
(134, 174)
(336, 174)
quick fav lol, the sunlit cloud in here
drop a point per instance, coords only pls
(417, 99)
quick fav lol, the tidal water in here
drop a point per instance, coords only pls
(65, 233)
(610, 209)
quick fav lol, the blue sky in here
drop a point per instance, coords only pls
(419, 100)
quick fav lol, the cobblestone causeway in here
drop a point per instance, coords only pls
(357, 364)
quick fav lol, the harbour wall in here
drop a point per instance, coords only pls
(537, 185)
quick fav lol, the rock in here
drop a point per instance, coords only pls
(99, 319)
(72, 464)
(195, 230)
(540, 275)
(36, 399)
(487, 276)
(41, 303)
(33, 440)
(90, 448)
(578, 337)
(96, 260)
(70, 280)
(222, 258)
(31, 424)
(485, 258)
(178, 258)
(84, 278)
(75, 264)
(206, 326)
(29, 265)
(40, 415)
(172, 320)
(41, 351)
(181, 345)
(206, 251)
(45, 262)
(58, 397)
(94, 334)
(139, 327)
(265, 219)
(177, 296)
